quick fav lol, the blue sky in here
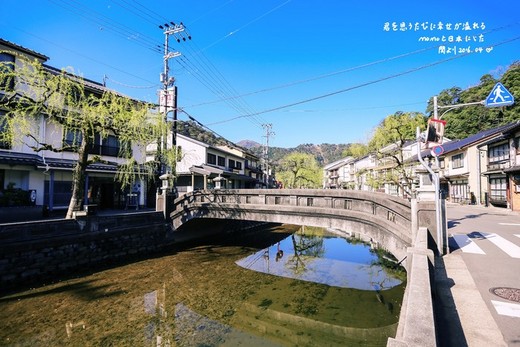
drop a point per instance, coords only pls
(318, 71)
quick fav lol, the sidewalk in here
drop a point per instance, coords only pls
(35, 213)
(468, 312)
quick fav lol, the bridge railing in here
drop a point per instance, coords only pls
(393, 209)
(383, 205)
(368, 212)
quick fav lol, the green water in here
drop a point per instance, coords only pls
(201, 296)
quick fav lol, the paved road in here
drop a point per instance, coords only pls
(480, 277)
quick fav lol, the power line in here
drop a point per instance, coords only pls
(141, 11)
(365, 84)
(211, 11)
(359, 108)
(206, 72)
(130, 86)
(80, 54)
(247, 24)
(190, 117)
(350, 69)
(119, 29)
(330, 74)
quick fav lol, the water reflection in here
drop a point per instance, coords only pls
(198, 296)
(326, 259)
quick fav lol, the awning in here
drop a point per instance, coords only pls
(493, 172)
(206, 170)
(512, 169)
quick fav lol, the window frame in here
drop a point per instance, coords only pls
(457, 161)
(211, 159)
(498, 153)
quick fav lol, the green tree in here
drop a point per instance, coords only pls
(356, 150)
(469, 120)
(388, 143)
(63, 99)
(300, 170)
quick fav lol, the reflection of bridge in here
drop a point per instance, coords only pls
(398, 225)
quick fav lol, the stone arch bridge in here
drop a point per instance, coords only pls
(390, 221)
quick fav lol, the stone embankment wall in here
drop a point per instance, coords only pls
(39, 252)
(36, 252)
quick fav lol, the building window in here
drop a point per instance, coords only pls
(498, 153)
(457, 161)
(212, 159)
(221, 161)
(517, 144)
(3, 128)
(231, 163)
(6, 65)
(459, 191)
(71, 140)
(238, 165)
(498, 189)
(110, 146)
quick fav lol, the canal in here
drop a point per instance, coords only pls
(278, 286)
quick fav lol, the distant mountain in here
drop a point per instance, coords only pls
(248, 144)
(324, 153)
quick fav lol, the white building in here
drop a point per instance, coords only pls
(45, 177)
(203, 166)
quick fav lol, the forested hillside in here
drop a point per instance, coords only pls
(468, 120)
(324, 153)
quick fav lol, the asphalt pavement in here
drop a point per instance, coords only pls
(478, 282)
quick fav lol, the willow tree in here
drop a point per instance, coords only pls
(30, 91)
(300, 170)
(389, 142)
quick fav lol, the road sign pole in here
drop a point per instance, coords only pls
(436, 183)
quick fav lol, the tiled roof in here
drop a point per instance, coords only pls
(17, 158)
(95, 86)
(481, 136)
(23, 49)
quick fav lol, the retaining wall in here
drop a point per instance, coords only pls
(43, 250)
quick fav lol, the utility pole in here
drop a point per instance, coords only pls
(268, 132)
(168, 95)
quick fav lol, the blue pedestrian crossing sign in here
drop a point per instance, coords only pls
(499, 96)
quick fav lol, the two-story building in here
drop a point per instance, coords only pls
(339, 174)
(203, 166)
(46, 176)
(501, 167)
(464, 164)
